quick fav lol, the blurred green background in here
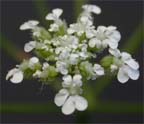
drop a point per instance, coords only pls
(109, 101)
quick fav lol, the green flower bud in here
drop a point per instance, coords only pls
(106, 61)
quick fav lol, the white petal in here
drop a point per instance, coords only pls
(61, 97)
(122, 75)
(70, 30)
(29, 25)
(73, 59)
(11, 73)
(92, 8)
(101, 28)
(105, 43)
(69, 106)
(89, 34)
(57, 12)
(112, 43)
(17, 77)
(62, 67)
(37, 73)
(29, 46)
(80, 103)
(133, 74)
(77, 79)
(126, 56)
(116, 35)
(64, 71)
(111, 28)
(33, 22)
(67, 78)
(92, 43)
(98, 69)
(50, 16)
(54, 27)
(95, 42)
(34, 60)
(115, 52)
(45, 65)
(132, 63)
(86, 21)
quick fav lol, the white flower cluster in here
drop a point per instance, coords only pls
(71, 52)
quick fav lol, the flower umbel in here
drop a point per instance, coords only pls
(69, 52)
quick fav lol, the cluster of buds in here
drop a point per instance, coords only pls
(70, 53)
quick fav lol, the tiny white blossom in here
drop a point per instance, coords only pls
(128, 67)
(62, 67)
(54, 27)
(95, 42)
(98, 70)
(37, 73)
(73, 59)
(32, 62)
(15, 75)
(45, 65)
(56, 13)
(83, 26)
(69, 42)
(58, 50)
(65, 53)
(69, 97)
(105, 36)
(29, 46)
(72, 82)
(31, 24)
(125, 72)
(92, 8)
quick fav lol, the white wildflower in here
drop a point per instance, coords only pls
(105, 36)
(98, 70)
(69, 97)
(15, 75)
(128, 67)
(82, 27)
(54, 16)
(32, 62)
(45, 65)
(72, 82)
(29, 46)
(62, 67)
(56, 13)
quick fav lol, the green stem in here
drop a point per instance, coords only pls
(77, 7)
(11, 49)
(42, 10)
